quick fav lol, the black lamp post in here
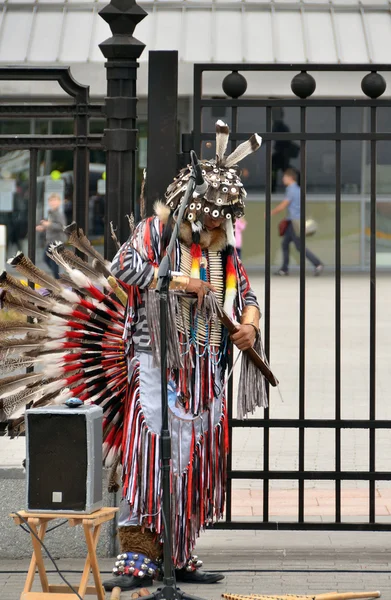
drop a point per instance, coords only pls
(122, 52)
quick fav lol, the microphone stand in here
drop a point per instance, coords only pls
(169, 591)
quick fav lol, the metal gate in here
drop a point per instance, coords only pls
(303, 85)
(80, 142)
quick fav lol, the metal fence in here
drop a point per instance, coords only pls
(303, 85)
(80, 142)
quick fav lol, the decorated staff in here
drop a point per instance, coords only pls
(326, 596)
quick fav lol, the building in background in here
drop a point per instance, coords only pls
(346, 31)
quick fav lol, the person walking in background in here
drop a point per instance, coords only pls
(292, 229)
(53, 228)
(240, 226)
(284, 150)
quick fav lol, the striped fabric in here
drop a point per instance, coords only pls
(134, 264)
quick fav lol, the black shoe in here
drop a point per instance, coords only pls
(126, 582)
(197, 576)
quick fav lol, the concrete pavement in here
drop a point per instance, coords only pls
(260, 562)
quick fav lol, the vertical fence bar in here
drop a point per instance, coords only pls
(81, 161)
(303, 185)
(230, 391)
(338, 312)
(162, 124)
(266, 430)
(32, 218)
(197, 109)
(372, 319)
(32, 205)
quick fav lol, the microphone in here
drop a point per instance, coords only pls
(200, 184)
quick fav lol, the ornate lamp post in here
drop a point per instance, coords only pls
(122, 52)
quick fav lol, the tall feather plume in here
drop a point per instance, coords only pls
(80, 241)
(12, 346)
(25, 266)
(131, 222)
(100, 269)
(8, 365)
(17, 327)
(14, 382)
(222, 136)
(243, 150)
(113, 236)
(10, 302)
(37, 391)
(67, 282)
(67, 259)
(9, 405)
(8, 282)
(143, 205)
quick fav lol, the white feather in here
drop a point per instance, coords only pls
(56, 332)
(229, 230)
(54, 345)
(70, 296)
(56, 320)
(54, 357)
(53, 370)
(79, 278)
(63, 396)
(63, 309)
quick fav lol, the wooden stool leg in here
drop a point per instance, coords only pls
(33, 563)
(92, 538)
(34, 524)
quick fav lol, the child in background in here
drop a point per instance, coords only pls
(240, 226)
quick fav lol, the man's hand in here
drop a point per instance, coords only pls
(199, 287)
(40, 228)
(244, 337)
(45, 223)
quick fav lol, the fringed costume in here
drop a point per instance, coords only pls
(100, 341)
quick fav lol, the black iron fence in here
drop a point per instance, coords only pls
(119, 141)
(303, 85)
(80, 142)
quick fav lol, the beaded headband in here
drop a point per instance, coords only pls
(225, 194)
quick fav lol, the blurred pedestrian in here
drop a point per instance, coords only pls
(53, 227)
(290, 227)
(284, 150)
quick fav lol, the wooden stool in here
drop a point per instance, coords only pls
(91, 524)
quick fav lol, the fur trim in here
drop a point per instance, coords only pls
(215, 240)
(161, 211)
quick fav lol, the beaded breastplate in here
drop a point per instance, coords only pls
(190, 319)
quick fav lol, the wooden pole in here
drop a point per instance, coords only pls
(116, 593)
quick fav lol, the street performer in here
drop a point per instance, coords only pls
(204, 260)
(94, 335)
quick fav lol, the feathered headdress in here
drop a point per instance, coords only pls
(225, 194)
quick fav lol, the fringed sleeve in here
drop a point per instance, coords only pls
(247, 295)
(251, 390)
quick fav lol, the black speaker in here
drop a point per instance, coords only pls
(64, 459)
